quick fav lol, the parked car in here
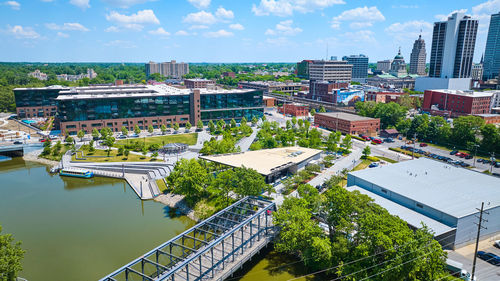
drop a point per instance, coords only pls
(497, 244)
(366, 138)
(43, 140)
(497, 164)
(454, 152)
(18, 142)
(122, 136)
(377, 141)
(468, 156)
(480, 160)
(489, 257)
(389, 140)
(423, 144)
(373, 165)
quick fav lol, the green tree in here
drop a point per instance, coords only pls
(105, 132)
(188, 126)
(248, 182)
(254, 121)
(294, 121)
(490, 138)
(120, 150)
(313, 112)
(233, 123)
(322, 109)
(150, 129)
(222, 185)
(288, 124)
(124, 131)
(137, 130)
(69, 140)
(332, 141)
(157, 77)
(465, 129)
(11, 256)
(80, 134)
(91, 146)
(189, 178)
(347, 142)
(176, 126)
(109, 142)
(95, 133)
(163, 129)
(300, 122)
(366, 151)
(154, 155)
(126, 152)
(243, 120)
(211, 126)
(199, 125)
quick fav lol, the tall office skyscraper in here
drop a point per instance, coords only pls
(453, 43)
(417, 57)
(359, 65)
(492, 54)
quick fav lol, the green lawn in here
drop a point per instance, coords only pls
(113, 157)
(388, 160)
(189, 139)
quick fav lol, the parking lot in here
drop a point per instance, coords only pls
(484, 271)
(446, 154)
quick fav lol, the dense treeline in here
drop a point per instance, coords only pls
(359, 240)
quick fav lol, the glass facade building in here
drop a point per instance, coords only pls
(231, 105)
(36, 102)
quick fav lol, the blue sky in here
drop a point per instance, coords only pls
(222, 30)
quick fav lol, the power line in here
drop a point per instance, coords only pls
(351, 262)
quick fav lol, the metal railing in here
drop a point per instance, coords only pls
(205, 249)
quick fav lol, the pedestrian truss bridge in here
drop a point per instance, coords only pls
(211, 250)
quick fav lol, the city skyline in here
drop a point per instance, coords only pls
(223, 31)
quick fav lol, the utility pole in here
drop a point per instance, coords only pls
(413, 150)
(475, 153)
(481, 211)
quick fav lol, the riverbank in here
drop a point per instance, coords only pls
(177, 202)
(33, 157)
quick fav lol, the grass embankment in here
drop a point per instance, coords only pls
(56, 156)
(388, 160)
(113, 157)
(161, 185)
(189, 139)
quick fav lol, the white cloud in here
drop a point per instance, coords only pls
(360, 17)
(134, 21)
(82, 4)
(200, 4)
(284, 28)
(182, 33)
(112, 29)
(67, 26)
(63, 35)
(198, 26)
(160, 31)
(121, 44)
(445, 17)
(21, 32)
(236, 26)
(125, 3)
(222, 13)
(284, 8)
(278, 41)
(488, 7)
(13, 4)
(358, 25)
(405, 33)
(200, 17)
(218, 34)
(365, 36)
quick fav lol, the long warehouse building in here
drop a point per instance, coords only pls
(442, 196)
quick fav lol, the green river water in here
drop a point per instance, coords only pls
(82, 229)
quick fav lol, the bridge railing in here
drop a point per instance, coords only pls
(200, 251)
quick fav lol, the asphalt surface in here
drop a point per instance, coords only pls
(484, 271)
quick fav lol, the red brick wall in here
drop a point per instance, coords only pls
(368, 127)
(457, 104)
(294, 110)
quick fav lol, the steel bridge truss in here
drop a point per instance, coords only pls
(205, 249)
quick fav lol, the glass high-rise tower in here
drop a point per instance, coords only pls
(492, 54)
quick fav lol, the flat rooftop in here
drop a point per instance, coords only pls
(135, 91)
(452, 190)
(467, 93)
(346, 116)
(411, 217)
(265, 161)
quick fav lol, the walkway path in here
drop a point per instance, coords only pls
(246, 142)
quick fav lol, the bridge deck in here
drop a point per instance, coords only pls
(213, 249)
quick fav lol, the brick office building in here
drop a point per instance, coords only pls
(324, 90)
(348, 123)
(294, 109)
(198, 83)
(454, 103)
(383, 97)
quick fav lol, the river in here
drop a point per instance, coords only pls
(82, 229)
